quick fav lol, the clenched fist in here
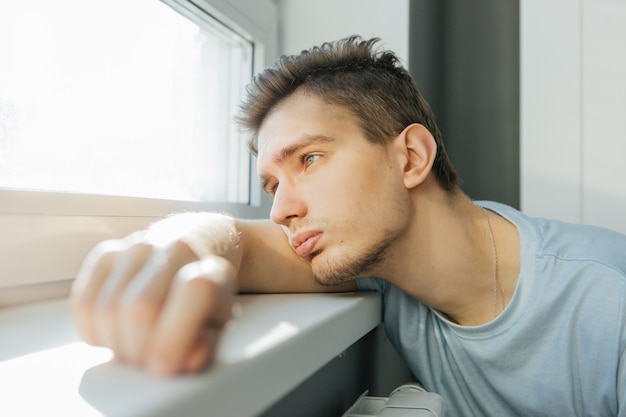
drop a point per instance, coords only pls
(158, 305)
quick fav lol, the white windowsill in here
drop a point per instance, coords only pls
(273, 345)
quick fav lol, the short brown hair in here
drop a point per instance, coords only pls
(370, 84)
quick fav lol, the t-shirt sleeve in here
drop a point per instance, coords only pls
(371, 284)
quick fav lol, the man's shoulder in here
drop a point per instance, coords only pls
(567, 241)
(582, 243)
(371, 284)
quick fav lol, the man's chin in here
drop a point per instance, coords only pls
(339, 265)
(328, 273)
(330, 281)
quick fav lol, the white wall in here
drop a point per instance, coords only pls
(305, 23)
(604, 110)
(573, 100)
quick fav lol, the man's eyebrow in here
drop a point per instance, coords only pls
(300, 143)
(284, 153)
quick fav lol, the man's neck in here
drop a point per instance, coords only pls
(446, 259)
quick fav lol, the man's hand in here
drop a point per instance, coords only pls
(155, 306)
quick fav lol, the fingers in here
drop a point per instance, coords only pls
(197, 309)
(132, 262)
(137, 307)
(153, 306)
(95, 273)
(202, 352)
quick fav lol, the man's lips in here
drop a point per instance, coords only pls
(304, 243)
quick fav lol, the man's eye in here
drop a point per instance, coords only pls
(270, 189)
(309, 159)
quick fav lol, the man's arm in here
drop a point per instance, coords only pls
(269, 264)
(161, 299)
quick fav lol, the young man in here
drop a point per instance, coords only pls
(498, 313)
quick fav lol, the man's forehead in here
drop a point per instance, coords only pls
(298, 115)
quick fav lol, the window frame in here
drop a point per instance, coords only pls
(46, 235)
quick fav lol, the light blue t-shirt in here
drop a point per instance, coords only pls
(559, 347)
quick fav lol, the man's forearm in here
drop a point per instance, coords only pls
(258, 249)
(205, 233)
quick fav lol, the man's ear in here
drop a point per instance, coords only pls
(419, 150)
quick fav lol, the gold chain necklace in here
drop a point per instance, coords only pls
(495, 265)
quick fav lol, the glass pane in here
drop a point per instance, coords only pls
(121, 97)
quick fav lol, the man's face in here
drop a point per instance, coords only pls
(340, 198)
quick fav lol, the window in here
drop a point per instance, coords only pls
(128, 99)
(114, 114)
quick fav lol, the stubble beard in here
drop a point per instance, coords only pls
(335, 271)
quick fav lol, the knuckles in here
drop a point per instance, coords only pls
(109, 301)
(213, 279)
(139, 311)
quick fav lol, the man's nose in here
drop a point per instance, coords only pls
(287, 205)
